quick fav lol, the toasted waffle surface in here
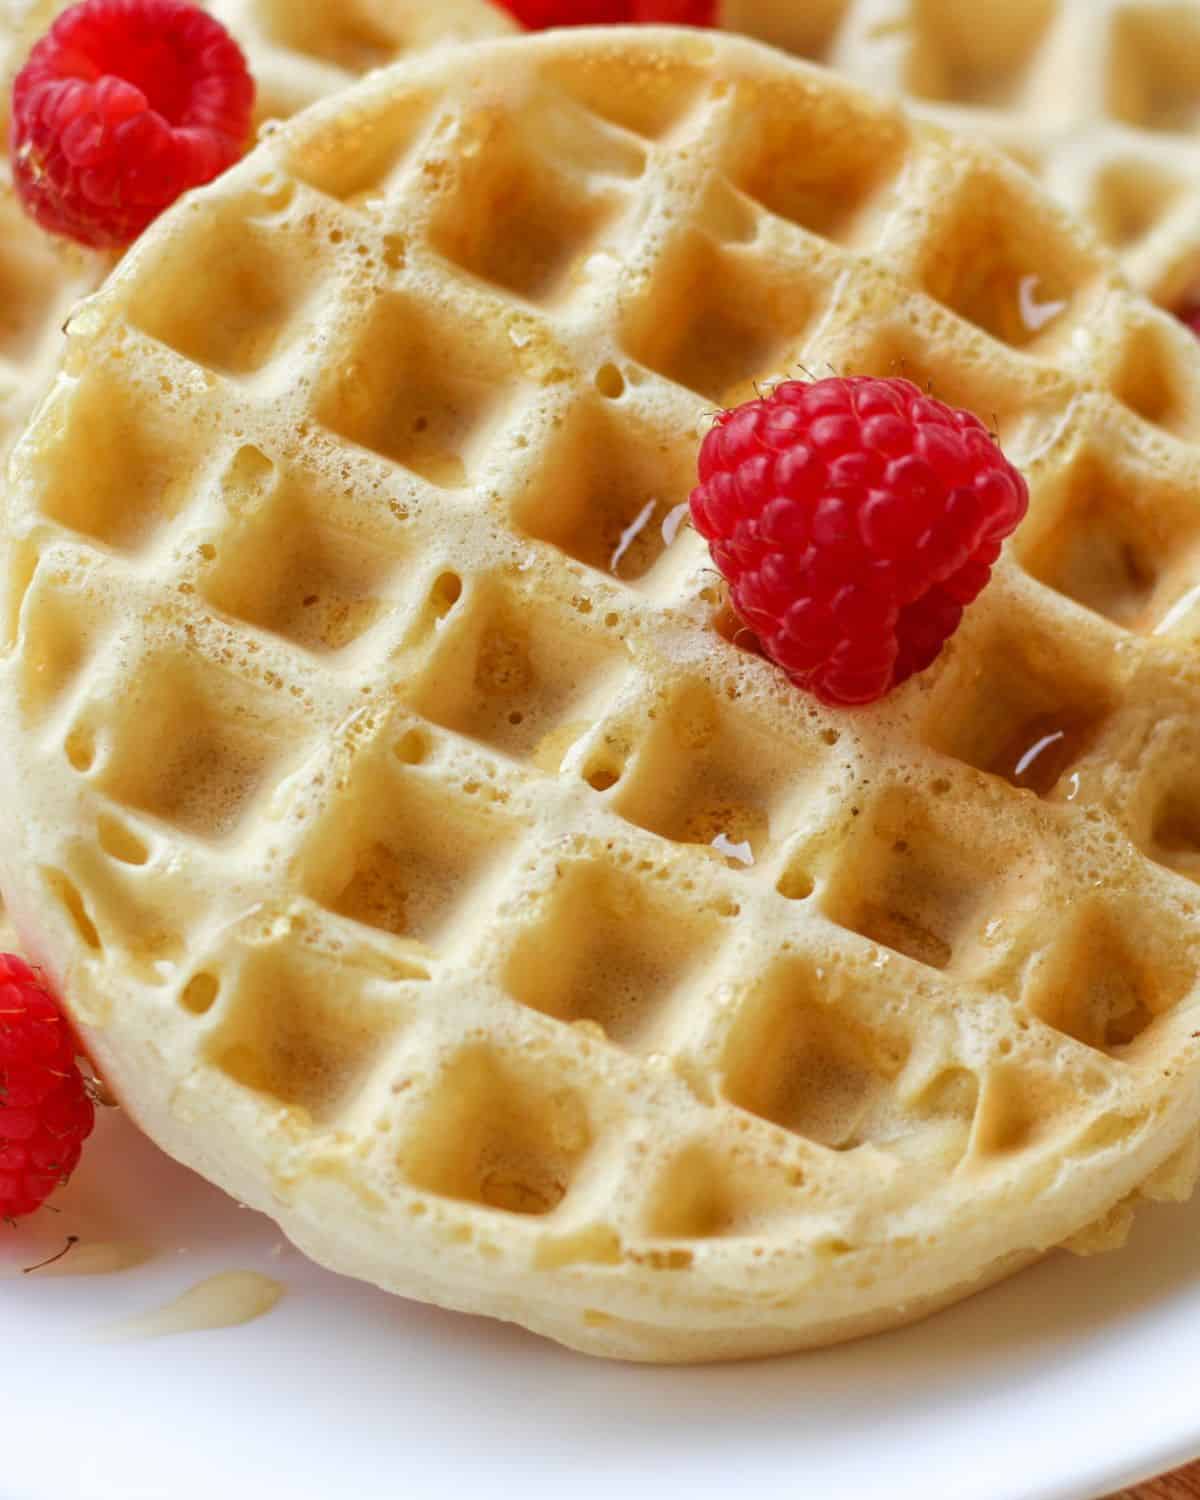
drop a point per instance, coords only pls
(423, 862)
(1100, 98)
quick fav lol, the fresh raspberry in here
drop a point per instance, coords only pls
(122, 106)
(853, 520)
(539, 14)
(45, 1109)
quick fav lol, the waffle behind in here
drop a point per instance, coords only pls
(297, 52)
(1100, 98)
(423, 863)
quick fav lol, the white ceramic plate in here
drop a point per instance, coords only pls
(1072, 1380)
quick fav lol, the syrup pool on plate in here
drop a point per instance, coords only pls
(227, 1300)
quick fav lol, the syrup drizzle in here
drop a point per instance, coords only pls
(1178, 612)
(1025, 766)
(631, 534)
(742, 852)
(1041, 753)
(1034, 314)
(229, 1300)
(672, 521)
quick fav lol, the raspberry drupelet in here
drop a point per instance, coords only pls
(123, 106)
(1189, 316)
(854, 519)
(536, 15)
(46, 1112)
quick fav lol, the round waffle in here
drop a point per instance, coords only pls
(1099, 98)
(423, 863)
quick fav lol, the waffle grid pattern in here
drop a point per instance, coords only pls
(1099, 98)
(481, 837)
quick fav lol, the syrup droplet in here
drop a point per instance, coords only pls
(1039, 755)
(631, 534)
(1040, 747)
(1034, 314)
(226, 1301)
(672, 521)
(742, 852)
(1178, 612)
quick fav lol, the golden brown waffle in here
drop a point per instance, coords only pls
(426, 867)
(1100, 98)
